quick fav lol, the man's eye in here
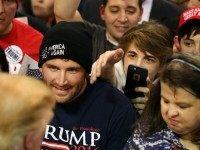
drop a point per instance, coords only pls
(188, 43)
(114, 10)
(53, 69)
(150, 60)
(130, 12)
(72, 70)
(131, 54)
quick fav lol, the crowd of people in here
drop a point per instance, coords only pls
(64, 69)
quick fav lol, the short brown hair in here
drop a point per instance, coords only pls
(152, 37)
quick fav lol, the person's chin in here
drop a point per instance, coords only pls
(118, 35)
(62, 99)
(177, 130)
(175, 127)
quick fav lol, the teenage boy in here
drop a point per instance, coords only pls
(146, 46)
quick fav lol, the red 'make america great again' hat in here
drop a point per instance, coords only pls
(188, 16)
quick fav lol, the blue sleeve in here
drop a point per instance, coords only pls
(121, 127)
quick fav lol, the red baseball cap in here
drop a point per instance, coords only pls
(189, 15)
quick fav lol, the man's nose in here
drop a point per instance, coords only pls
(139, 63)
(122, 17)
(62, 78)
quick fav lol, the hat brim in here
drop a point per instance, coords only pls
(188, 24)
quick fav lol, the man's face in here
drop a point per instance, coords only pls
(42, 8)
(180, 110)
(66, 78)
(191, 44)
(141, 59)
(8, 9)
(119, 16)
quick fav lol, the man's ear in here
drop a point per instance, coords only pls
(102, 11)
(141, 13)
(176, 46)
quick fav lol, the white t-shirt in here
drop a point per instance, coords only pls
(146, 5)
(120, 77)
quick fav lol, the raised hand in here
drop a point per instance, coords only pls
(104, 65)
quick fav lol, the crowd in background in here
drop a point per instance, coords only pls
(65, 68)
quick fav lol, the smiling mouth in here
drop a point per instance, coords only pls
(62, 88)
(62, 92)
(120, 28)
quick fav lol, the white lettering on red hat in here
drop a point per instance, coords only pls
(191, 13)
(14, 56)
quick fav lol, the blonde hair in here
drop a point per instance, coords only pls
(24, 103)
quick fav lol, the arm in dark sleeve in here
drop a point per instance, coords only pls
(121, 127)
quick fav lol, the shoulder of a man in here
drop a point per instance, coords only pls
(93, 28)
(122, 116)
(24, 28)
(110, 95)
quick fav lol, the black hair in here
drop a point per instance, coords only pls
(104, 2)
(26, 6)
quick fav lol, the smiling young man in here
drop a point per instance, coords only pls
(86, 116)
(17, 38)
(118, 15)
